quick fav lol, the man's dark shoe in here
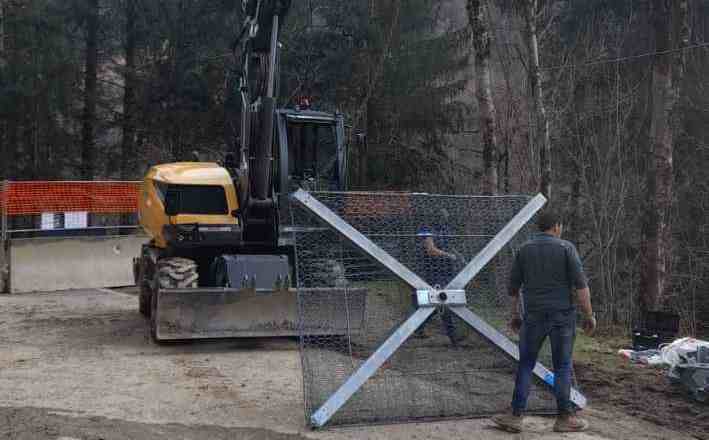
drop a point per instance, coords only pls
(509, 422)
(570, 424)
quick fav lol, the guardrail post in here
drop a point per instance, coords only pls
(4, 237)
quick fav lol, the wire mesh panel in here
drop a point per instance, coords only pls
(445, 369)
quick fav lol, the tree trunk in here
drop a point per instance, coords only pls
(376, 61)
(535, 82)
(576, 207)
(3, 6)
(486, 106)
(363, 152)
(657, 241)
(365, 111)
(128, 159)
(90, 92)
(4, 125)
(13, 120)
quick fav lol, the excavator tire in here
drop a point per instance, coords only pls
(176, 273)
(145, 287)
(170, 273)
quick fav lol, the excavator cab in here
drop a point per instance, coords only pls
(312, 153)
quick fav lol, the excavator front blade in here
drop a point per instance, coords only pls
(208, 313)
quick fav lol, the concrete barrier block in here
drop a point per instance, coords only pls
(48, 264)
(4, 269)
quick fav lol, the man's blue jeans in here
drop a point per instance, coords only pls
(560, 326)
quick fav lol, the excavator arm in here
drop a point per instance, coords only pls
(257, 52)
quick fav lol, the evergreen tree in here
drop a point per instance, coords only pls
(395, 75)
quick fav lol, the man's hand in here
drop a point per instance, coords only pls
(583, 297)
(515, 324)
(589, 324)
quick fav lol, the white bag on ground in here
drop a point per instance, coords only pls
(680, 352)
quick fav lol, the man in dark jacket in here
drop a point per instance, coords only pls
(549, 271)
(437, 266)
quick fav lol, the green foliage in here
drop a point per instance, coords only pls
(38, 74)
(181, 48)
(395, 76)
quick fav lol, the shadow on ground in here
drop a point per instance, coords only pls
(43, 424)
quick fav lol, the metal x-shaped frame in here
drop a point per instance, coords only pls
(428, 298)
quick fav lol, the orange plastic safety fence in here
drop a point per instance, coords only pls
(33, 197)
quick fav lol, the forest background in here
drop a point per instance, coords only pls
(602, 105)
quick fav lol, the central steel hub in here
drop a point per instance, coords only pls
(436, 297)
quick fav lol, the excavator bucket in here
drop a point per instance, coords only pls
(206, 313)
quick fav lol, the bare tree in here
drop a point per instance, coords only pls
(128, 159)
(542, 122)
(377, 58)
(666, 78)
(481, 44)
(4, 126)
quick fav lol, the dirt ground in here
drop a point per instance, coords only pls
(614, 384)
(80, 365)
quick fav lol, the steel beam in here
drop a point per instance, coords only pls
(370, 366)
(270, 91)
(511, 349)
(497, 243)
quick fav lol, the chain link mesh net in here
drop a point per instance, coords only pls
(34, 197)
(445, 369)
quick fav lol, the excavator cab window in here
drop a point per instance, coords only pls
(312, 156)
(195, 199)
(311, 152)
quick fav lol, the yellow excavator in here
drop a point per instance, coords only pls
(220, 258)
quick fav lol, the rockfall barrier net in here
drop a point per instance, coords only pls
(445, 368)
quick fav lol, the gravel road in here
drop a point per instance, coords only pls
(80, 365)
